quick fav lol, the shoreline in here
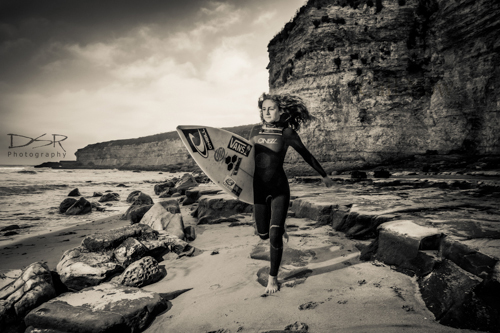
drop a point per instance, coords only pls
(50, 246)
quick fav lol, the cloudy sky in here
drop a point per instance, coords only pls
(100, 70)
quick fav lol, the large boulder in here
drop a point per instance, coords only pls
(129, 251)
(159, 188)
(80, 207)
(404, 244)
(31, 288)
(65, 204)
(105, 308)
(135, 213)
(141, 273)
(187, 181)
(166, 216)
(79, 268)
(111, 239)
(139, 198)
(214, 207)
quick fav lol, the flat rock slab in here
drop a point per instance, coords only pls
(104, 308)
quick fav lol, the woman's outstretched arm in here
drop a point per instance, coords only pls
(294, 140)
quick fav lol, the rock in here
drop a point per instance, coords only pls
(187, 181)
(80, 207)
(165, 216)
(467, 258)
(214, 207)
(135, 213)
(110, 197)
(104, 308)
(402, 243)
(122, 185)
(297, 327)
(10, 227)
(446, 289)
(169, 191)
(33, 287)
(190, 233)
(111, 239)
(142, 272)
(313, 209)
(79, 268)
(381, 173)
(129, 251)
(139, 198)
(10, 233)
(358, 174)
(159, 188)
(65, 204)
(97, 194)
(74, 193)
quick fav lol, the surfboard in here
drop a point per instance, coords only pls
(226, 158)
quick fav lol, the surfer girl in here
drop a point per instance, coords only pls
(282, 116)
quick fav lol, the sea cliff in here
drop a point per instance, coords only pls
(385, 79)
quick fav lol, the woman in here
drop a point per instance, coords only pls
(282, 116)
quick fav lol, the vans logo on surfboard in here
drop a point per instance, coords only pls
(199, 141)
(239, 146)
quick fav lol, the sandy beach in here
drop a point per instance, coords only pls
(324, 285)
(341, 293)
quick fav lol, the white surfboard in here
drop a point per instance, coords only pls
(226, 158)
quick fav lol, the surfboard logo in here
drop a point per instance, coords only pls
(239, 146)
(231, 185)
(199, 141)
(219, 155)
(267, 141)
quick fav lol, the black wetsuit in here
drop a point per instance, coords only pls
(270, 186)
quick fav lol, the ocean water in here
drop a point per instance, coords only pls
(30, 197)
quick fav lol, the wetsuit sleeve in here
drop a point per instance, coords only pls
(294, 140)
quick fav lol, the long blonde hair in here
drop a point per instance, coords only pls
(293, 107)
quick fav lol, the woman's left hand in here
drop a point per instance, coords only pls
(327, 181)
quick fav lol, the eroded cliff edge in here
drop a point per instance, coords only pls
(386, 80)
(390, 79)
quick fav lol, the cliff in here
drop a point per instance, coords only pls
(163, 151)
(385, 79)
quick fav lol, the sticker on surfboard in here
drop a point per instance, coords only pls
(199, 141)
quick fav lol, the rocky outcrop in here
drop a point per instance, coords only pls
(33, 287)
(165, 216)
(142, 272)
(104, 308)
(215, 208)
(102, 256)
(391, 79)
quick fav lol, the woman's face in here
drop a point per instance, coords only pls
(270, 111)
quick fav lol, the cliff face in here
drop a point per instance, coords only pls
(156, 152)
(391, 79)
(386, 80)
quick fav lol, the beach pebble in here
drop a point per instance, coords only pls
(97, 194)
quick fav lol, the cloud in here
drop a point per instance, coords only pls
(264, 18)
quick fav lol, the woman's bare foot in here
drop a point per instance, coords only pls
(272, 285)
